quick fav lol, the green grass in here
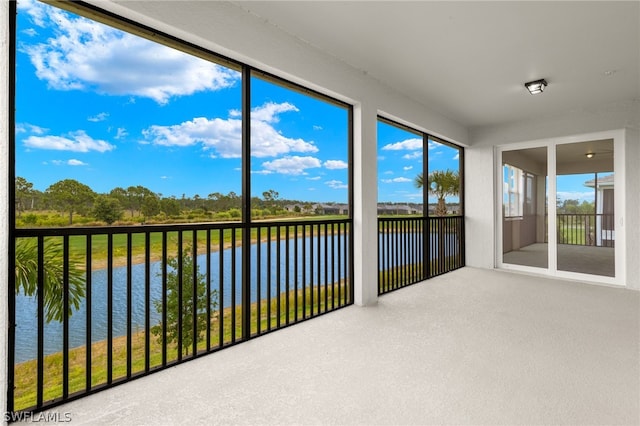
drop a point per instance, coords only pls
(25, 373)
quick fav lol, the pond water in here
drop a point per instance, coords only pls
(310, 269)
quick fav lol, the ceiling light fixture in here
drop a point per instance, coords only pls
(590, 154)
(536, 87)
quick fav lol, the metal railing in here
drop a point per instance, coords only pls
(134, 300)
(411, 250)
(586, 229)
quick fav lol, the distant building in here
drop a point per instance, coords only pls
(342, 209)
(398, 209)
(605, 229)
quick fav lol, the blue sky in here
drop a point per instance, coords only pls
(400, 159)
(112, 109)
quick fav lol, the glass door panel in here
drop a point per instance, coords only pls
(585, 208)
(524, 206)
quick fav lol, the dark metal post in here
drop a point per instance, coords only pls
(246, 203)
(426, 259)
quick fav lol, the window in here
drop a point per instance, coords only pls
(146, 132)
(512, 193)
(518, 192)
(401, 167)
(299, 152)
(119, 124)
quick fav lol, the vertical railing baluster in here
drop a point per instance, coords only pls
(319, 268)
(304, 271)
(180, 275)
(65, 317)
(194, 295)
(295, 271)
(208, 289)
(326, 268)
(109, 308)
(88, 302)
(147, 301)
(311, 258)
(268, 278)
(333, 266)
(221, 281)
(278, 289)
(40, 296)
(164, 298)
(258, 279)
(129, 304)
(287, 274)
(233, 285)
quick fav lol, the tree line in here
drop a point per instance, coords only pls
(70, 197)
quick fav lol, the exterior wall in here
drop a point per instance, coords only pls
(480, 164)
(632, 217)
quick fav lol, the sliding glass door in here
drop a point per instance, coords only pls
(558, 208)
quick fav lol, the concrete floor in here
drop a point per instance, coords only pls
(573, 258)
(469, 347)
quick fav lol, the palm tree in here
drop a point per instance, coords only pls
(26, 270)
(441, 184)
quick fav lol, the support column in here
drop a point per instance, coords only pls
(365, 208)
(4, 196)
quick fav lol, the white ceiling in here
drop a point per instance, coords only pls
(469, 60)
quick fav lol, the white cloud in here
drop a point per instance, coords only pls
(71, 162)
(408, 144)
(388, 172)
(84, 55)
(269, 111)
(413, 155)
(457, 156)
(407, 168)
(30, 32)
(30, 128)
(336, 184)
(121, 133)
(293, 165)
(433, 144)
(225, 135)
(77, 141)
(314, 178)
(99, 117)
(335, 164)
(317, 127)
(396, 180)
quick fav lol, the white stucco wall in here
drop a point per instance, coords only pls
(632, 216)
(480, 172)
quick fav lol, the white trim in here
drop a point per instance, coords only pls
(552, 237)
